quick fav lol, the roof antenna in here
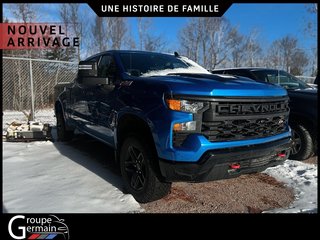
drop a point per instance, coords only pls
(176, 54)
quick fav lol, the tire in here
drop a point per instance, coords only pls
(136, 159)
(302, 147)
(63, 134)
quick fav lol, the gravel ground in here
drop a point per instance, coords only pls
(251, 193)
(312, 160)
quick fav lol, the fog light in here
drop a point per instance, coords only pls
(186, 126)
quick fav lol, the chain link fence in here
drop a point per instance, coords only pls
(28, 84)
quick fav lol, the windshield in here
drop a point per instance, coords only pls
(154, 64)
(281, 78)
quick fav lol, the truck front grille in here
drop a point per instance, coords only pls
(243, 119)
(232, 119)
(227, 130)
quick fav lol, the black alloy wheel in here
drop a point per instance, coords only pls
(138, 169)
(135, 168)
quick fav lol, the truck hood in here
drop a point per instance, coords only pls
(216, 85)
(307, 91)
(309, 94)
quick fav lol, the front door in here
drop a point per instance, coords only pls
(103, 100)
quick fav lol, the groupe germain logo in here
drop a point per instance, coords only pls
(25, 227)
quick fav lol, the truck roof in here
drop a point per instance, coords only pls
(126, 51)
(246, 68)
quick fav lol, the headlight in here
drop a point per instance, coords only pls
(184, 105)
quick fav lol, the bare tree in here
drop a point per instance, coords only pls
(274, 57)
(300, 61)
(219, 41)
(7, 52)
(70, 16)
(64, 14)
(288, 45)
(144, 25)
(24, 12)
(285, 54)
(110, 33)
(206, 40)
(314, 63)
(60, 53)
(252, 49)
(311, 30)
(75, 23)
(154, 43)
(237, 47)
(117, 27)
(147, 39)
(129, 41)
(190, 39)
(311, 27)
(99, 33)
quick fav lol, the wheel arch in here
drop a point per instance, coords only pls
(132, 124)
(58, 106)
(308, 123)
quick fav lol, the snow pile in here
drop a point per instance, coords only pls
(43, 115)
(194, 64)
(11, 116)
(175, 70)
(303, 178)
(43, 177)
(194, 68)
(225, 76)
(46, 116)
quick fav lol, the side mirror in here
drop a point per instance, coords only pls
(88, 74)
(87, 69)
(95, 81)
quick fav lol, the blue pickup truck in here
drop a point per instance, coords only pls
(168, 119)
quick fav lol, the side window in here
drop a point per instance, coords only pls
(264, 76)
(219, 72)
(106, 66)
(95, 59)
(245, 73)
(233, 72)
(272, 78)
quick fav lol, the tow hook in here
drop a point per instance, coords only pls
(233, 167)
(281, 156)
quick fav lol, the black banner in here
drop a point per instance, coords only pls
(214, 8)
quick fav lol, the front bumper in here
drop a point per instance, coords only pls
(216, 164)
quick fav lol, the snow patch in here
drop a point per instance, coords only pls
(43, 115)
(303, 178)
(225, 76)
(194, 68)
(175, 70)
(41, 177)
(194, 64)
